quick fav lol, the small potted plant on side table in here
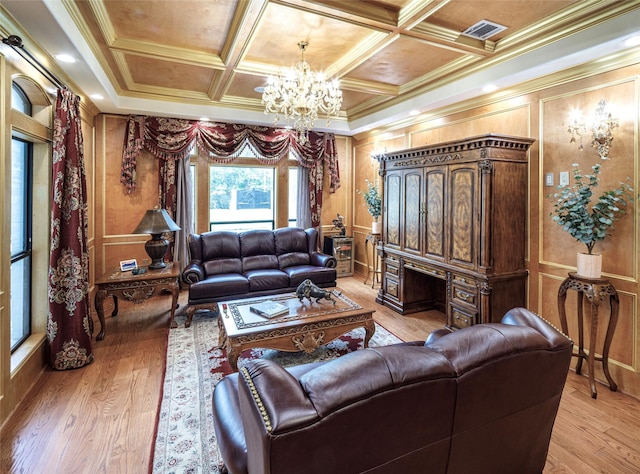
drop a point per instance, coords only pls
(373, 201)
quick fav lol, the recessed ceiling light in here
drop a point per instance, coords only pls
(630, 42)
(413, 113)
(96, 96)
(204, 119)
(66, 58)
(490, 88)
(259, 89)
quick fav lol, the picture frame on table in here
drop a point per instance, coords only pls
(128, 265)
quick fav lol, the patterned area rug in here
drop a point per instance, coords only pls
(185, 439)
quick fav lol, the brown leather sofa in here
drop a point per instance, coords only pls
(229, 265)
(478, 400)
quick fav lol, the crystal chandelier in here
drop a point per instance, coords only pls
(299, 95)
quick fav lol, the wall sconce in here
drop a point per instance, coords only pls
(155, 222)
(601, 127)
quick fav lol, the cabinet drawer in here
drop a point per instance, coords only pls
(464, 291)
(391, 287)
(461, 319)
(392, 266)
(343, 267)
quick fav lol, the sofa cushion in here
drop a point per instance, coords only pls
(293, 259)
(220, 244)
(267, 279)
(257, 262)
(222, 265)
(219, 285)
(257, 242)
(291, 240)
(318, 275)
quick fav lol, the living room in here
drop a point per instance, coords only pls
(539, 108)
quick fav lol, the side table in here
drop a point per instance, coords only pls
(136, 288)
(372, 239)
(596, 290)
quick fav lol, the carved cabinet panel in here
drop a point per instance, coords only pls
(434, 219)
(392, 205)
(413, 206)
(454, 228)
(462, 223)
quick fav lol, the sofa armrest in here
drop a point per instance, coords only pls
(524, 317)
(322, 260)
(272, 402)
(193, 272)
(274, 397)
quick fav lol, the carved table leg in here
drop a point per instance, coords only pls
(233, 352)
(592, 348)
(581, 354)
(115, 306)
(369, 329)
(99, 304)
(562, 313)
(611, 327)
(222, 334)
(174, 304)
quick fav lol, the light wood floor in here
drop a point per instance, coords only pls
(101, 418)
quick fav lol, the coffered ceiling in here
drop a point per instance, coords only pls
(197, 58)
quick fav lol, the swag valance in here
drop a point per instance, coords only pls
(173, 139)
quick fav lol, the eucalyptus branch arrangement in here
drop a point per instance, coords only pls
(372, 200)
(589, 223)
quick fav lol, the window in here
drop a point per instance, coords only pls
(241, 198)
(21, 219)
(21, 178)
(19, 100)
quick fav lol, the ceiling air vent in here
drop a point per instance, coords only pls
(483, 30)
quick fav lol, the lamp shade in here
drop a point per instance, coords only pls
(155, 222)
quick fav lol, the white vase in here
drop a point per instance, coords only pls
(589, 265)
(376, 227)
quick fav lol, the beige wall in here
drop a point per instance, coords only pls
(543, 114)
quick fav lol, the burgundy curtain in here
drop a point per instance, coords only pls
(68, 321)
(173, 139)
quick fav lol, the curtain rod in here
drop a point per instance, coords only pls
(16, 43)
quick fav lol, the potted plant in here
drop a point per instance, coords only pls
(586, 221)
(373, 201)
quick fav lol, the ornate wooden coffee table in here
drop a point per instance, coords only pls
(306, 327)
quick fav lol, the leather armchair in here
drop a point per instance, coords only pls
(481, 399)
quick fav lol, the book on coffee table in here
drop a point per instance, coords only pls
(269, 309)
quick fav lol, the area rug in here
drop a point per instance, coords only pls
(185, 439)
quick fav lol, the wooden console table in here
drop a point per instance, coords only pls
(136, 288)
(596, 290)
(372, 239)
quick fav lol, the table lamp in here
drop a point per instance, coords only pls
(155, 222)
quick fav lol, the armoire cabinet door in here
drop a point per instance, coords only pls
(413, 205)
(463, 214)
(392, 208)
(435, 192)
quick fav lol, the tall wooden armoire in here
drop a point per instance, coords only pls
(454, 218)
